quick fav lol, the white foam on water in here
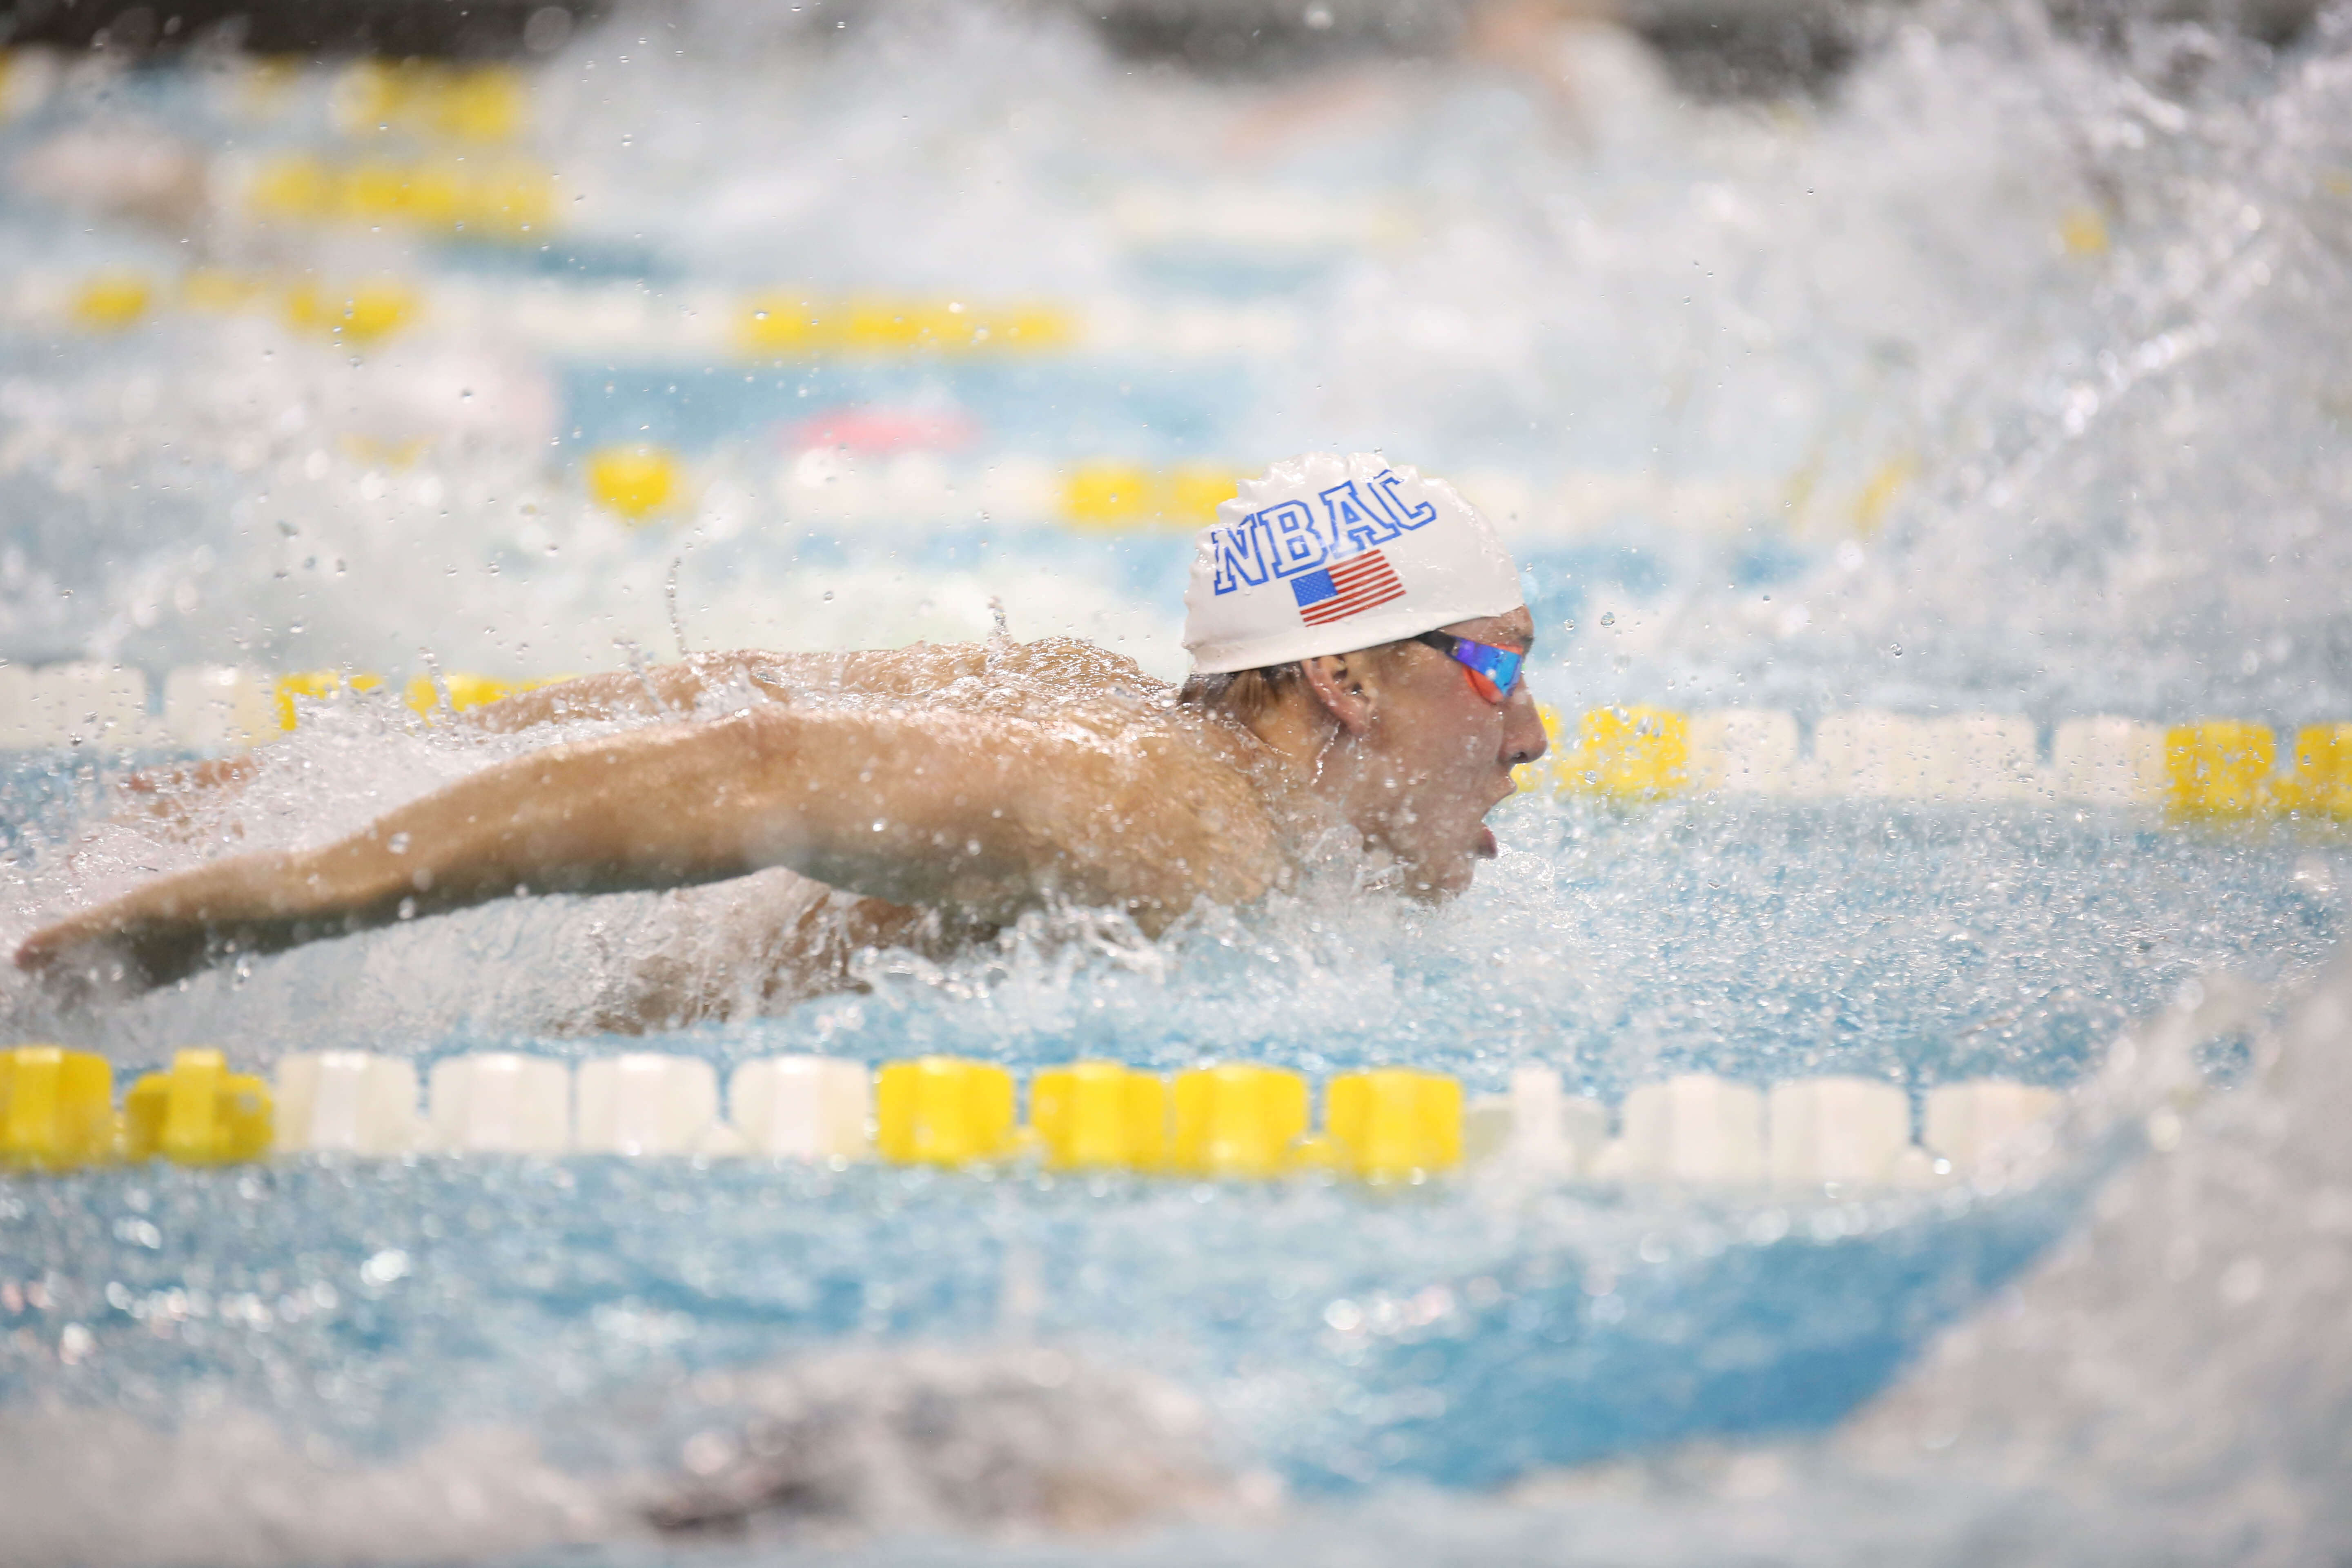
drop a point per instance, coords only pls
(231, 1487)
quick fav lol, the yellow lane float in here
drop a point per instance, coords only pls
(111, 301)
(2320, 776)
(1110, 496)
(1627, 753)
(422, 693)
(787, 324)
(1238, 1121)
(321, 685)
(479, 103)
(196, 1112)
(465, 691)
(636, 482)
(57, 1108)
(1394, 1124)
(1100, 1116)
(944, 1111)
(2218, 770)
(2084, 232)
(500, 199)
(360, 313)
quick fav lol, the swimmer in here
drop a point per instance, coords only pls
(1357, 634)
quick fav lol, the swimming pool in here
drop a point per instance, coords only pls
(1958, 441)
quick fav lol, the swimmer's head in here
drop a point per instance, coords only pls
(1306, 618)
(1324, 554)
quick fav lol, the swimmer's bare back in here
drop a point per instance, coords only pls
(981, 781)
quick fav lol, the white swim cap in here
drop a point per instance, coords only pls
(1328, 555)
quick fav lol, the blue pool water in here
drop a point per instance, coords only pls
(1342, 1340)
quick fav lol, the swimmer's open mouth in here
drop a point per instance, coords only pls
(1486, 846)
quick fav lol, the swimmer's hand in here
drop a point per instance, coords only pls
(982, 815)
(161, 931)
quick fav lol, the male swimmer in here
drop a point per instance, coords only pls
(1357, 634)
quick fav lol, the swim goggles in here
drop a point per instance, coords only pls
(1494, 671)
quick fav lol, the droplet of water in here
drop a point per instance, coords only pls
(385, 1267)
(1609, 618)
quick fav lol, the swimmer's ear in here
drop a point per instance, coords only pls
(1345, 686)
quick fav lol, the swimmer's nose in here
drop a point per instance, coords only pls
(1523, 733)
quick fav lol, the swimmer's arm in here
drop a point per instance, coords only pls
(169, 798)
(984, 815)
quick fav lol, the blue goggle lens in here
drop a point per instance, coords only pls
(1494, 671)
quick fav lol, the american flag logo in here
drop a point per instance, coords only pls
(1334, 593)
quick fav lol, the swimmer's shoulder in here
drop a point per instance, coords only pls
(1077, 667)
(1198, 779)
(1137, 775)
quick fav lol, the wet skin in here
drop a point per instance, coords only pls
(948, 789)
(1399, 744)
